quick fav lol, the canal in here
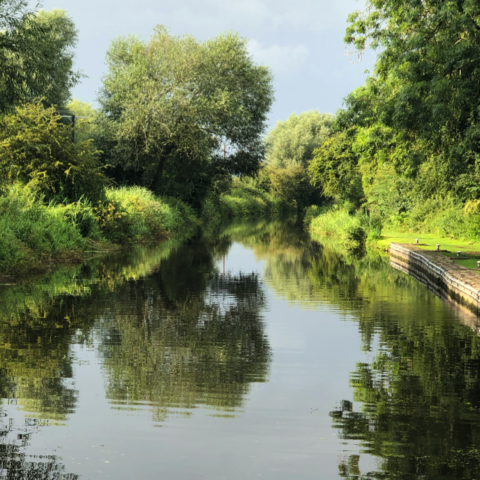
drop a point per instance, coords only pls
(248, 352)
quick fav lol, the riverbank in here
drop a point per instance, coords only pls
(447, 266)
(38, 236)
(439, 272)
(359, 231)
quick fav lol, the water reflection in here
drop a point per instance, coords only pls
(170, 329)
(173, 334)
(16, 464)
(416, 405)
(185, 335)
(419, 403)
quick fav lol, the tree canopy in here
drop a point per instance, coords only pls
(416, 120)
(175, 99)
(36, 55)
(293, 141)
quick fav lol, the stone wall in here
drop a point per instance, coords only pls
(441, 274)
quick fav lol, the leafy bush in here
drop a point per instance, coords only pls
(290, 184)
(444, 216)
(36, 149)
(132, 214)
(350, 230)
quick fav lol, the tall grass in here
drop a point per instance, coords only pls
(33, 231)
(133, 214)
(351, 231)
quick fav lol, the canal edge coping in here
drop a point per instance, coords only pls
(439, 273)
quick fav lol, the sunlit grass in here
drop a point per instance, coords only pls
(430, 241)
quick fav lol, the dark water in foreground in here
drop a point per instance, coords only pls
(297, 363)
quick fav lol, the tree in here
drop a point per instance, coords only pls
(175, 99)
(334, 168)
(427, 78)
(36, 55)
(293, 141)
(36, 148)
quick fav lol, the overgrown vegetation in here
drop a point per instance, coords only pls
(243, 201)
(35, 231)
(141, 168)
(406, 146)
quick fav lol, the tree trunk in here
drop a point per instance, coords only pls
(157, 180)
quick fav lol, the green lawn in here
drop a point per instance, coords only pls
(430, 242)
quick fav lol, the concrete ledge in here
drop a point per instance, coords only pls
(439, 273)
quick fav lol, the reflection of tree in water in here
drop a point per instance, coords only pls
(186, 335)
(35, 362)
(39, 321)
(178, 333)
(420, 401)
(15, 464)
(417, 404)
(420, 397)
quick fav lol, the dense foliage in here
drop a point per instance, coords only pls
(290, 147)
(293, 141)
(410, 135)
(36, 55)
(169, 104)
(36, 149)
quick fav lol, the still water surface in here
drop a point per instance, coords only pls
(298, 362)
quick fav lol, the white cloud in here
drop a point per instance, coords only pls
(279, 59)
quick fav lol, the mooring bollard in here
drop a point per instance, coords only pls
(459, 253)
(438, 248)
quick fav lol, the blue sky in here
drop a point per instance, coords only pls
(301, 40)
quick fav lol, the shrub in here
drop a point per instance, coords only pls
(290, 184)
(36, 149)
(350, 230)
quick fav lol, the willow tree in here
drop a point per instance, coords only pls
(36, 55)
(173, 99)
(293, 141)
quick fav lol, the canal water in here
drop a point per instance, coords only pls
(249, 352)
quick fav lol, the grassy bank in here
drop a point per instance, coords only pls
(350, 231)
(453, 228)
(36, 233)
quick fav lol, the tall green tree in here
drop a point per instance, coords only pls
(175, 99)
(293, 141)
(36, 55)
(427, 78)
